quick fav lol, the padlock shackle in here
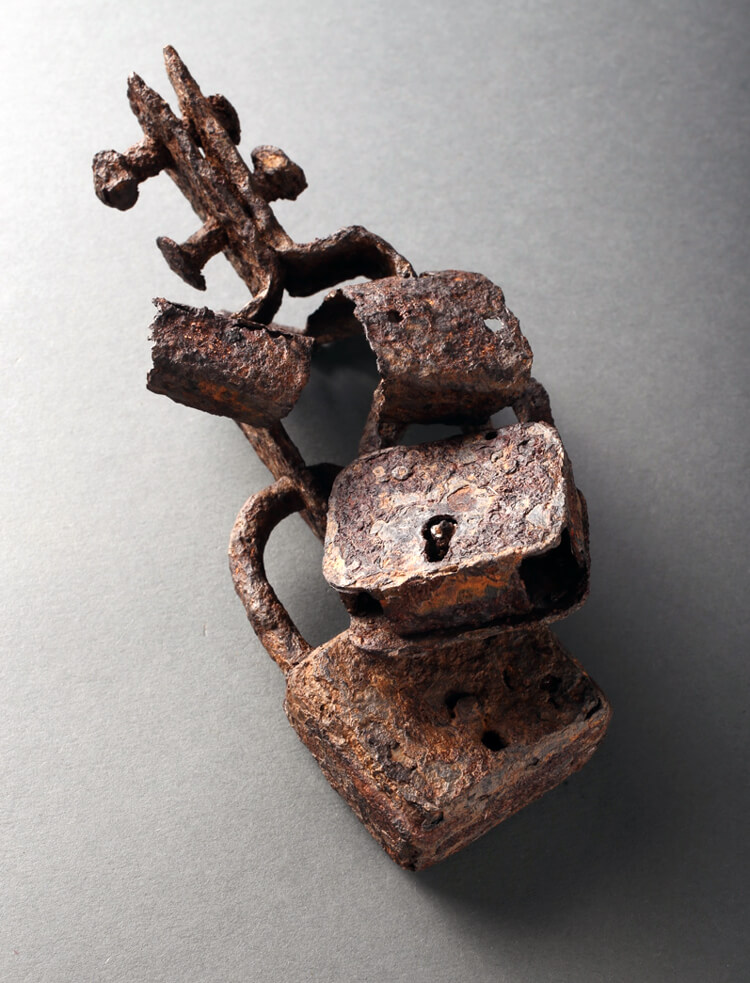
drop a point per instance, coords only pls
(257, 519)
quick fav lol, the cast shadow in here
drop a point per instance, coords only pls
(640, 819)
(639, 801)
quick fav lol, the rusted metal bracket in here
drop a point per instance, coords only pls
(447, 704)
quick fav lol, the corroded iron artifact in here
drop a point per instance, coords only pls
(447, 704)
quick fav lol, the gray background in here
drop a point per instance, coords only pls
(160, 819)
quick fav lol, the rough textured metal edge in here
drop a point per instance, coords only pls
(252, 373)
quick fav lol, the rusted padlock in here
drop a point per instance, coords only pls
(447, 704)
(435, 736)
(474, 530)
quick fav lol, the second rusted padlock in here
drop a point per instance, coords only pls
(465, 532)
(435, 739)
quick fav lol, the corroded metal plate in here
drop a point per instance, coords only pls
(432, 752)
(438, 358)
(461, 531)
(225, 365)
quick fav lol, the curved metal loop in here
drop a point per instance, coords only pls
(270, 620)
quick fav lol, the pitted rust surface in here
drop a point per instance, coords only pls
(447, 704)
(433, 751)
(438, 359)
(253, 373)
(505, 490)
(438, 533)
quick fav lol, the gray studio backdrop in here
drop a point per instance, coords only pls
(160, 819)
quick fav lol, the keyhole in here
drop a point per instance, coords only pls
(438, 532)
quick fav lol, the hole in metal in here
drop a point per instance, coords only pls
(552, 579)
(550, 684)
(438, 532)
(451, 699)
(492, 740)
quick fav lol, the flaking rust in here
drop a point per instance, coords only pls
(447, 704)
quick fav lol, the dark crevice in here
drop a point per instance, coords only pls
(365, 604)
(451, 699)
(550, 684)
(492, 740)
(594, 709)
(552, 579)
(432, 821)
